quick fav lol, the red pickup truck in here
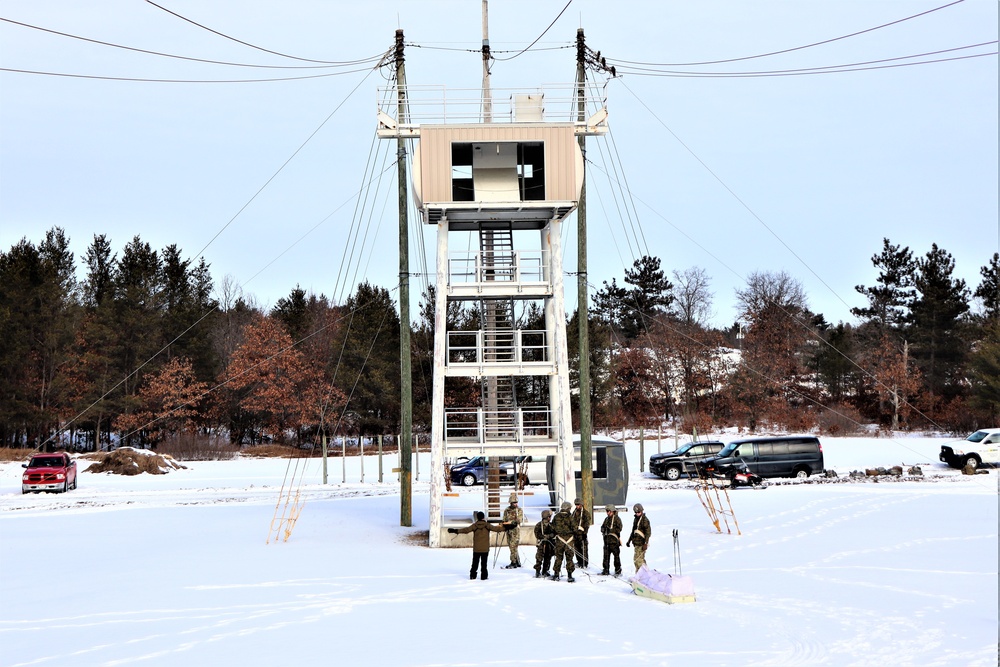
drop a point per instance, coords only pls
(49, 472)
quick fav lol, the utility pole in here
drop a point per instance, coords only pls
(582, 312)
(487, 93)
(405, 376)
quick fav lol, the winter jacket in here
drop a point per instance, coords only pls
(562, 524)
(611, 529)
(513, 515)
(641, 530)
(543, 531)
(481, 534)
(581, 520)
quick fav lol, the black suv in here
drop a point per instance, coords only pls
(671, 465)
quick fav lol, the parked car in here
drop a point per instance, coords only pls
(785, 456)
(983, 446)
(671, 465)
(473, 471)
(49, 472)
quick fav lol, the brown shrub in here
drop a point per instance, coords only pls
(841, 419)
(9, 454)
(128, 461)
(273, 451)
(699, 422)
(191, 447)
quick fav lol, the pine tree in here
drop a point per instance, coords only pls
(292, 311)
(649, 298)
(889, 300)
(138, 304)
(989, 289)
(368, 369)
(984, 375)
(936, 328)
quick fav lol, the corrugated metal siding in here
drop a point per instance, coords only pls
(560, 156)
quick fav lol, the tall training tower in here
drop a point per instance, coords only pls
(496, 173)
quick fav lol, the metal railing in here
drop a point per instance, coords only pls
(519, 266)
(437, 104)
(509, 425)
(505, 346)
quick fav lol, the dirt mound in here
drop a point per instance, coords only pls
(129, 461)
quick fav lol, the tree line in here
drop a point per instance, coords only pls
(924, 352)
(144, 348)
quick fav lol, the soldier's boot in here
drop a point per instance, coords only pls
(605, 572)
(538, 572)
(472, 575)
(618, 573)
(569, 577)
(555, 577)
(511, 566)
(546, 573)
(484, 577)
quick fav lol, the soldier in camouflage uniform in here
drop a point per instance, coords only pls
(581, 524)
(562, 524)
(513, 517)
(611, 529)
(544, 536)
(641, 530)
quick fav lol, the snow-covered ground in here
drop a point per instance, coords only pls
(174, 570)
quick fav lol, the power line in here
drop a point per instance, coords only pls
(528, 47)
(796, 48)
(285, 163)
(240, 41)
(189, 58)
(826, 69)
(736, 197)
(140, 80)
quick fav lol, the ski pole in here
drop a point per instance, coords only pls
(678, 570)
(496, 549)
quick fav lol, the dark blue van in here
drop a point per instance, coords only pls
(784, 456)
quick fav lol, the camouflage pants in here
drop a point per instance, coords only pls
(612, 547)
(543, 557)
(582, 548)
(640, 556)
(513, 540)
(563, 550)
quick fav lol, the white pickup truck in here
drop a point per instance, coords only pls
(983, 446)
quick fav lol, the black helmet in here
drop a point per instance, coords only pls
(637, 507)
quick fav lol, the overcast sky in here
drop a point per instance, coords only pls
(800, 173)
